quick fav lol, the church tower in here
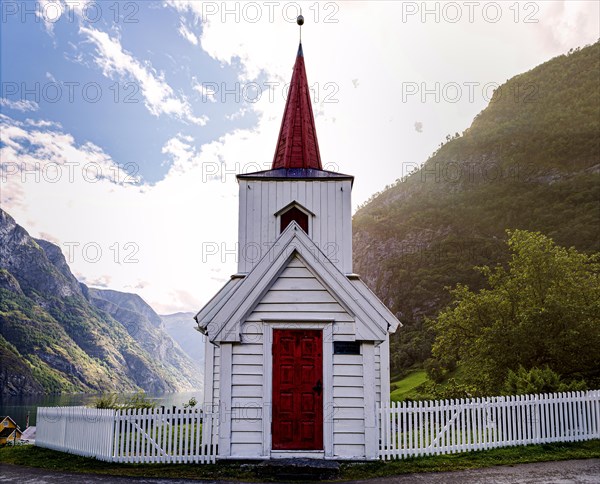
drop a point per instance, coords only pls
(297, 348)
(296, 189)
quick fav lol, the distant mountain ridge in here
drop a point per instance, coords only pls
(182, 328)
(530, 160)
(127, 303)
(57, 335)
(147, 327)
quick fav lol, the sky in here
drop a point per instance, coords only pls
(123, 123)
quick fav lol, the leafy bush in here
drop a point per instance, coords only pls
(111, 400)
(139, 400)
(452, 389)
(539, 380)
(106, 401)
(191, 403)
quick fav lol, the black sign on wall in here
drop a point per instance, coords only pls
(346, 348)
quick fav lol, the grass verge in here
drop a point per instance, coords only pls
(475, 460)
(47, 459)
(405, 387)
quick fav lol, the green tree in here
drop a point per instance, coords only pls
(543, 310)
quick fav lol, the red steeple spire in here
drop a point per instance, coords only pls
(297, 146)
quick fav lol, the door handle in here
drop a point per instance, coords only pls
(318, 388)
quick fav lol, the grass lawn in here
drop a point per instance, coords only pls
(405, 387)
(43, 458)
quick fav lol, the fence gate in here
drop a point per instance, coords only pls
(449, 426)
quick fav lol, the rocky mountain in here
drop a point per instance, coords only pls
(182, 328)
(153, 335)
(530, 160)
(125, 306)
(53, 338)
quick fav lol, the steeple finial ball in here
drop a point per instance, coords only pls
(300, 20)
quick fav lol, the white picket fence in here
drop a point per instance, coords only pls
(406, 429)
(175, 435)
(448, 426)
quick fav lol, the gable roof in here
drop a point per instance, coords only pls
(7, 432)
(294, 203)
(382, 309)
(217, 302)
(222, 317)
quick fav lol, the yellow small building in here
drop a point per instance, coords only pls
(8, 428)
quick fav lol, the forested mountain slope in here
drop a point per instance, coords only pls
(53, 338)
(530, 160)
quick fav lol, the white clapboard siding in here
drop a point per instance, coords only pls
(217, 375)
(441, 427)
(330, 227)
(156, 435)
(296, 298)
(298, 294)
(347, 370)
(247, 394)
(378, 374)
(348, 411)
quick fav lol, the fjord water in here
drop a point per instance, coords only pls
(18, 407)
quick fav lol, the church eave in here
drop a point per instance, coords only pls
(294, 174)
(227, 319)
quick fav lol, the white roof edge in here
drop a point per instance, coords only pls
(213, 303)
(379, 306)
(274, 261)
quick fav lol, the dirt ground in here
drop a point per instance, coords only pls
(561, 472)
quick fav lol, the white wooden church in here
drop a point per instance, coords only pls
(297, 347)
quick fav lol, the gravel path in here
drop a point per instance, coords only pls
(561, 472)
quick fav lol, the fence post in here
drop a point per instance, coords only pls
(384, 433)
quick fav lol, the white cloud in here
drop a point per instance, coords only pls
(187, 34)
(22, 105)
(181, 152)
(240, 113)
(207, 94)
(74, 191)
(51, 11)
(42, 123)
(102, 281)
(568, 24)
(51, 155)
(159, 96)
